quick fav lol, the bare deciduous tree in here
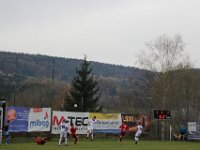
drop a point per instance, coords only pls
(164, 54)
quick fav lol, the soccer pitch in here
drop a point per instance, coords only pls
(105, 145)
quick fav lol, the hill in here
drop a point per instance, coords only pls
(116, 82)
(63, 68)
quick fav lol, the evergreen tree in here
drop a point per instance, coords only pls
(84, 93)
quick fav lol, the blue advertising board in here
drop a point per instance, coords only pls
(193, 130)
(18, 117)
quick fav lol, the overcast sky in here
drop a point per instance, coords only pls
(109, 31)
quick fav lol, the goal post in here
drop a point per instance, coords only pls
(1, 124)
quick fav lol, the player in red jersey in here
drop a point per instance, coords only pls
(73, 132)
(124, 128)
(40, 140)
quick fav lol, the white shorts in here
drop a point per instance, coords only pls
(138, 134)
(90, 129)
(63, 134)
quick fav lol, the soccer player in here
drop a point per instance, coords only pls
(6, 132)
(123, 128)
(138, 133)
(63, 134)
(73, 132)
(91, 127)
(40, 140)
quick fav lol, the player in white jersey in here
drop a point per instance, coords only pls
(63, 131)
(91, 127)
(138, 133)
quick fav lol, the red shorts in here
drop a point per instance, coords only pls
(123, 133)
(74, 136)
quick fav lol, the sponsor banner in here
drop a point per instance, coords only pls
(106, 123)
(28, 119)
(132, 121)
(79, 119)
(193, 130)
(18, 117)
(39, 119)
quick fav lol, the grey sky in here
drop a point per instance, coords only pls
(109, 31)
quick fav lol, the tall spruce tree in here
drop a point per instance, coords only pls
(84, 93)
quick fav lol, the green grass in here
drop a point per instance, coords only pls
(105, 145)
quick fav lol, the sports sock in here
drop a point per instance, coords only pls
(59, 141)
(66, 141)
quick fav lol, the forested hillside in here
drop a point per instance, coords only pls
(63, 68)
(116, 82)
